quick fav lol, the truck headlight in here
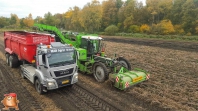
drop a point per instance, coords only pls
(51, 84)
(76, 77)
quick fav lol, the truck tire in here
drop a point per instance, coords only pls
(100, 72)
(13, 61)
(7, 58)
(38, 86)
(124, 62)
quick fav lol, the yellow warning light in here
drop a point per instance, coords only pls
(48, 46)
(70, 44)
(33, 61)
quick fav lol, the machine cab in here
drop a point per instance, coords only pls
(93, 45)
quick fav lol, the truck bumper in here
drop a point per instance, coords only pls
(51, 84)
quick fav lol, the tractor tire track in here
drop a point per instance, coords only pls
(83, 99)
(12, 84)
(94, 100)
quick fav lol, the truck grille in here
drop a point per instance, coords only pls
(60, 81)
(63, 72)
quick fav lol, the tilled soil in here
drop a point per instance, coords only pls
(173, 84)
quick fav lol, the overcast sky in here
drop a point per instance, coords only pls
(39, 7)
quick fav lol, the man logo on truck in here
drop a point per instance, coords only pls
(64, 72)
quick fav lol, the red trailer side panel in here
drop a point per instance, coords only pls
(24, 44)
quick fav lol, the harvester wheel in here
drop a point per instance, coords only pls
(124, 62)
(100, 72)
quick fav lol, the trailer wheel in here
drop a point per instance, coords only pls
(13, 61)
(124, 62)
(7, 58)
(38, 86)
(100, 72)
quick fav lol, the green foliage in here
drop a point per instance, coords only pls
(111, 30)
(4, 22)
(134, 29)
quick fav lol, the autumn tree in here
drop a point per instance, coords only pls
(91, 16)
(140, 14)
(128, 13)
(144, 28)
(28, 21)
(39, 19)
(121, 19)
(14, 21)
(49, 19)
(67, 17)
(189, 12)
(176, 12)
(165, 27)
(179, 29)
(4, 21)
(109, 12)
(75, 21)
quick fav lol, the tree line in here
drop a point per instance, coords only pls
(113, 16)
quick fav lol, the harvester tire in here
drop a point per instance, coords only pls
(124, 62)
(100, 72)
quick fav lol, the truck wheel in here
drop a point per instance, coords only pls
(125, 63)
(100, 72)
(22, 73)
(38, 86)
(13, 61)
(7, 58)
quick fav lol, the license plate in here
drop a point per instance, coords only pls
(137, 79)
(65, 82)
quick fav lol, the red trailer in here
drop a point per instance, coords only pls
(24, 44)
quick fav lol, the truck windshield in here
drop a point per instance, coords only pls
(63, 58)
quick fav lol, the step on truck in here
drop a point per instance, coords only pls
(47, 64)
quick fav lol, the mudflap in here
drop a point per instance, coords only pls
(125, 79)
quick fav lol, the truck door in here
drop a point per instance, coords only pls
(44, 67)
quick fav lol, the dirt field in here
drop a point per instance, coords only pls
(173, 84)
